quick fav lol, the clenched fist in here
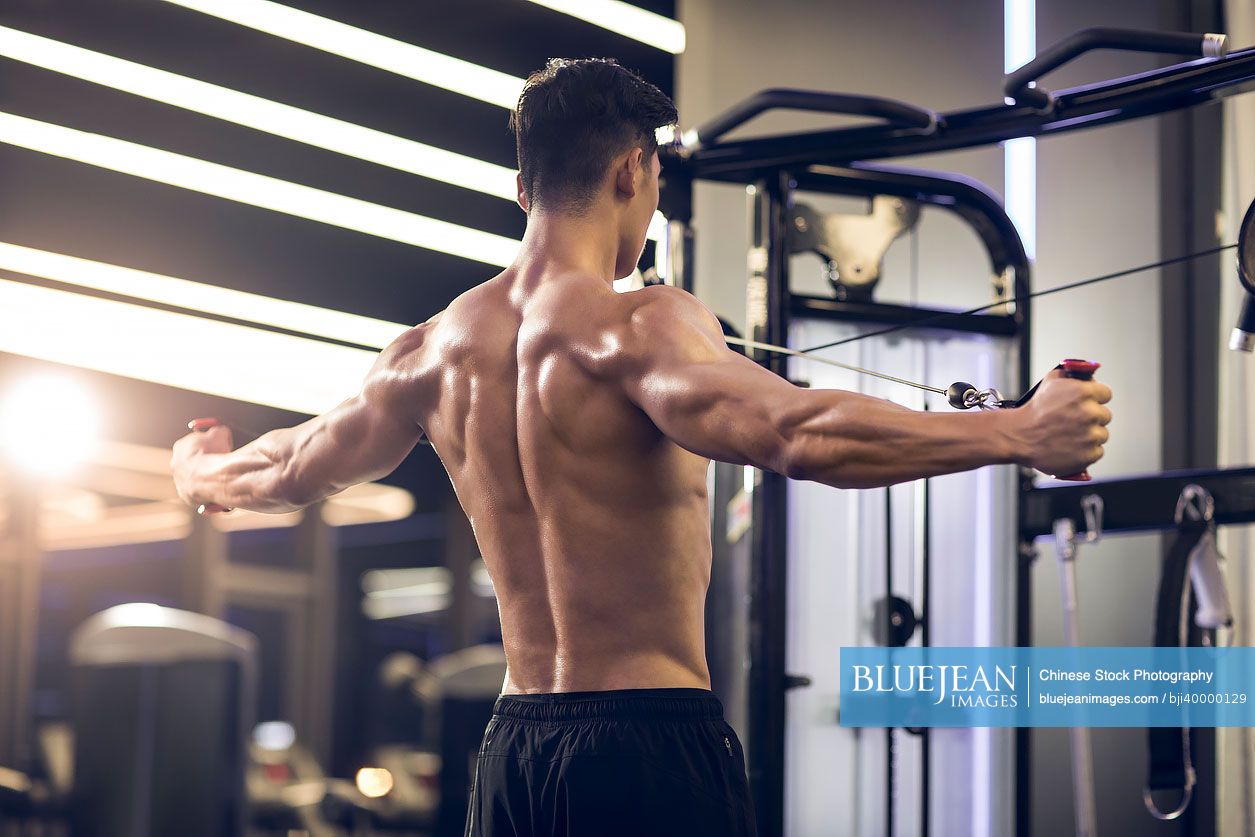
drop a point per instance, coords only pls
(1063, 427)
(207, 436)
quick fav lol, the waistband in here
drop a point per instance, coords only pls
(640, 704)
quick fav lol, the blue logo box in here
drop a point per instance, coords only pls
(1047, 687)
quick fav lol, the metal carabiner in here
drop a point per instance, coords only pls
(1198, 503)
(1092, 506)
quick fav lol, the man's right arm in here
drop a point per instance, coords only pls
(675, 366)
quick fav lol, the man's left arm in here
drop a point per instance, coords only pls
(363, 439)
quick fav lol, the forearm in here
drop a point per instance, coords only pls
(849, 440)
(254, 477)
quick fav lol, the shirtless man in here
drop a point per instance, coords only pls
(576, 425)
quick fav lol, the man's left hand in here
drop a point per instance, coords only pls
(213, 438)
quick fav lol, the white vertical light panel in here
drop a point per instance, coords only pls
(1020, 154)
(1020, 191)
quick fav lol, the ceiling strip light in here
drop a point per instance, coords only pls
(257, 190)
(260, 114)
(386, 54)
(178, 350)
(202, 297)
(366, 47)
(630, 21)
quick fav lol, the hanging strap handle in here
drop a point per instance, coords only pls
(1170, 764)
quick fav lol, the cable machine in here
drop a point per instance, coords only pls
(756, 514)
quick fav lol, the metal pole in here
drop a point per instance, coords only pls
(317, 546)
(1026, 553)
(676, 204)
(20, 564)
(767, 318)
(205, 561)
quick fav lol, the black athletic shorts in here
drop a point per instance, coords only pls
(639, 762)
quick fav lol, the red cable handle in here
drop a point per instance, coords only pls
(1081, 370)
(200, 425)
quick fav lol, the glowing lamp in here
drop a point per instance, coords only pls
(374, 782)
(48, 425)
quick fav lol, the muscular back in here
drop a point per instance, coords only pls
(577, 425)
(593, 524)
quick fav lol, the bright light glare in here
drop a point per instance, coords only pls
(257, 190)
(260, 114)
(48, 425)
(374, 782)
(366, 47)
(628, 20)
(274, 736)
(178, 350)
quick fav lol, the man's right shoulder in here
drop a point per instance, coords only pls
(656, 322)
(659, 311)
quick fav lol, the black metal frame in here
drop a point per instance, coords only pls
(1089, 106)
(768, 678)
(1141, 504)
(778, 165)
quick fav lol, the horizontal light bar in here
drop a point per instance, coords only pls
(630, 21)
(260, 114)
(201, 297)
(376, 608)
(385, 581)
(171, 520)
(134, 523)
(257, 190)
(132, 457)
(357, 45)
(365, 47)
(179, 350)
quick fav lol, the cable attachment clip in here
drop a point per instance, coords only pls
(1092, 507)
(1213, 609)
(964, 396)
(1198, 503)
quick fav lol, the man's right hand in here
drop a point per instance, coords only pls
(1063, 427)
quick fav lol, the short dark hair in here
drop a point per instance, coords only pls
(573, 117)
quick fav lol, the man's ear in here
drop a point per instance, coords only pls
(627, 172)
(522, 193)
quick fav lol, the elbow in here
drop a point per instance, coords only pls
(290, 491)
(793, 466)
(795, 443)
(817, 457)
(792, 457)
